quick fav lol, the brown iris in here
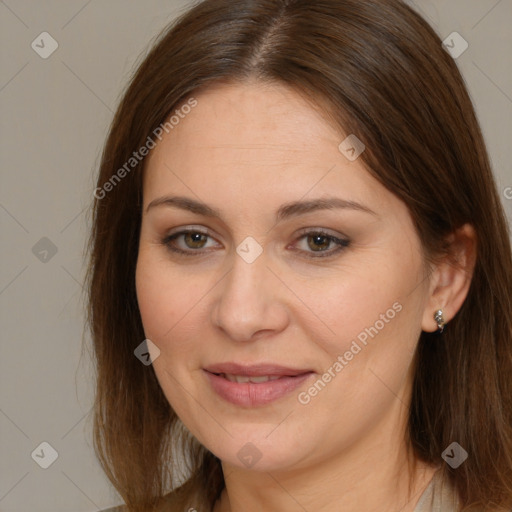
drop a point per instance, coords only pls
(317, 238)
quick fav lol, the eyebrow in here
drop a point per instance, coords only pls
(285, 211)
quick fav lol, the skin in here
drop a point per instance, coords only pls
(246, 149)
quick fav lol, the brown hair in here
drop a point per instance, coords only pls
(379, 70)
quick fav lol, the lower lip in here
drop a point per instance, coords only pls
(251, 394)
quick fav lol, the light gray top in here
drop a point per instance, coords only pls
(439, 496)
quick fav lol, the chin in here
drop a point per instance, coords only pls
(260, 454)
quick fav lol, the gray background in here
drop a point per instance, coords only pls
(55, 115)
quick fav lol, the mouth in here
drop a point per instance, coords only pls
(255, 385)
(241, 379)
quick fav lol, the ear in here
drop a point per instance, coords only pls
(451, 277)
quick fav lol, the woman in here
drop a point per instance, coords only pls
(297, 225)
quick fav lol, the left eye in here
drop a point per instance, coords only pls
(316, 241)
(319, 242)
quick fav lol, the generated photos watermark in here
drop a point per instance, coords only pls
(147, 352)
(454, 455)
(249, 455)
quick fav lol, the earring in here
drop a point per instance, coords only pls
(438, 317)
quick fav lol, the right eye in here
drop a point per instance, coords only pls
(192, 238)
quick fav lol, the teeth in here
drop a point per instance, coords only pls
(243, 378)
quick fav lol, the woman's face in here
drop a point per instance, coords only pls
(321, 308)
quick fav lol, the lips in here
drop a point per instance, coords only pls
(244, 378)
(258, 370)
(254, 385)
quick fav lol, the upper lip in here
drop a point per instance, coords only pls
(255, 370)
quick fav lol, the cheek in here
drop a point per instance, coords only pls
(168, 302)
(364, 303)
(376, 319)
(165, 295)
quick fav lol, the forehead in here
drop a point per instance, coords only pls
(257, 141)
(249, 116)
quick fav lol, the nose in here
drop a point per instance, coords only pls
(250, 301)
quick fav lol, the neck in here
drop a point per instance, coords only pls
(377, 475)
(351, 491)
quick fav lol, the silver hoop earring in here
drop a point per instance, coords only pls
(438, 317)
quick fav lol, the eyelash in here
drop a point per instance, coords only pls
(342, 243)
